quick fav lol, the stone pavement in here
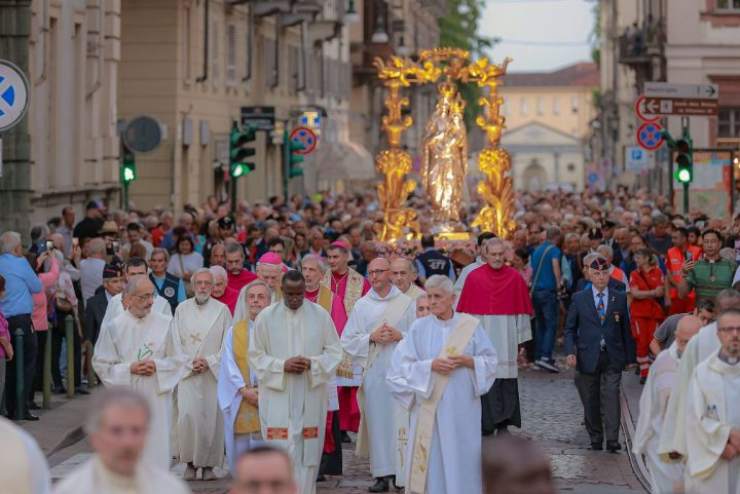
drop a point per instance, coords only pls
(551, 413)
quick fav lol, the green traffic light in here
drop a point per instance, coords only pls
(129, 175)
(683, 175)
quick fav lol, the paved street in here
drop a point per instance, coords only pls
(552, 416)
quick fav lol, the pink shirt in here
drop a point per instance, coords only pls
(40, 300)
(4, 333)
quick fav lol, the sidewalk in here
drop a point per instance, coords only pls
(59, 426)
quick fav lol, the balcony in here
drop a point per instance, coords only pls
(639, 45)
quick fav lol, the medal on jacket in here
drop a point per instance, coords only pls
(616, 317)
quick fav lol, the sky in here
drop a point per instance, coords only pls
(540, 35)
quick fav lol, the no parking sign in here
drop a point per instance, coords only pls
(650, 136)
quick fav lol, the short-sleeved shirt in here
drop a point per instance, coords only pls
(666, 332)
(546, 278)
(709, 278)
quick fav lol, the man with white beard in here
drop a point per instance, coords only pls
(237, 383)
(138, 350)
(295, 352)
(270, 269)
(478, 262)
(439, 372)
(403, 274)
(661, 381)
(672, 444)
(713, 415)
(200, 324)
(377, 323)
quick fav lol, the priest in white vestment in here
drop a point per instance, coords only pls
(200, 325)
(672, 444)
(498, 296)
(295, 352)
(23, 468)
(118, 424)
(377, 323)
(403, 275)
(237, 383)
(270, 269)
(661, 381)
(439, 371)
(138, 351)
(713, 415)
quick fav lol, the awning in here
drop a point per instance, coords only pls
(343, 160)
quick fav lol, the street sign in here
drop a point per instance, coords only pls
(681, 106)
(259, 117)
(13, 95)
(642, 113)
(306, 138)
(637, 160)
(690, 91)
(649, 136)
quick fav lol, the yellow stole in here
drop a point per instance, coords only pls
(455, 345)
(248, 418)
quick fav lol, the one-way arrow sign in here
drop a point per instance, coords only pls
(685, 91)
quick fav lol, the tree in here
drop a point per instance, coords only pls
(459, 29)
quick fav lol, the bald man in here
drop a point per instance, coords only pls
(661, 381)
(403, 275)
(376, 325)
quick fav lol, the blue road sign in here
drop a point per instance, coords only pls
(13, 95)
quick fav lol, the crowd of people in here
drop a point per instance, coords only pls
(290, 324)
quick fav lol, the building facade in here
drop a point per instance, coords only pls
(65, 151)
(679, 42)
(195, 64)
(548, 122)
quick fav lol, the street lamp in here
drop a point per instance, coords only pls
(351, 16)
(379, 36)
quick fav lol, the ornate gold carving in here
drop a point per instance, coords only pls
(444, 152)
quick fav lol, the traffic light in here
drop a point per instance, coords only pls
(128, 166)
(293, 158)
(239, 151)
(684, 161)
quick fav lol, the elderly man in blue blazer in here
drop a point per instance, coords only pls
(599, 344)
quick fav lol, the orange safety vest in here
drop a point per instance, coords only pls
(674, 262)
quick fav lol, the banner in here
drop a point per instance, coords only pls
(710, 191)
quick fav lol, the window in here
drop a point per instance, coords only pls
(728, 4)
(540, 105)
(231, 54)
(187, 44)
(728, 122)
(571, 167)
(215, 52)
(574, 104)
(556, 106)
(523, 107)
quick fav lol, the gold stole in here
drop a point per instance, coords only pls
(353, 291)
(391, 316)
(455, 345)
(344, 369)
(247, 418)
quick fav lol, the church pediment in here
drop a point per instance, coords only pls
(535, 133)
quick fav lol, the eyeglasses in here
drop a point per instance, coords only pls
(145, 297)
(729, 329)
(376, 272)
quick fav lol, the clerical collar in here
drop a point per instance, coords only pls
(338, 276)
(727, 359)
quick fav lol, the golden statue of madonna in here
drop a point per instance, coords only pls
(444, 157)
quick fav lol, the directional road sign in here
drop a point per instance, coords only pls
(649, 136)
(681, 106)
(13, 95)
(684, 91)
(642, 112)
(305, 137)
